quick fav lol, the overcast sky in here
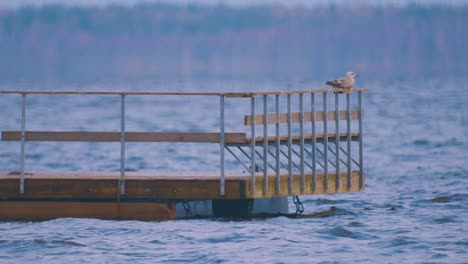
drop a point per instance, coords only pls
(19, 3)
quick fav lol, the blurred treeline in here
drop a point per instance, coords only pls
(153, 42)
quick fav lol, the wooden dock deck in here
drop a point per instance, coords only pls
(276, 165)
(160, 186)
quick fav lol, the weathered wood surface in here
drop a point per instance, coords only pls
(230, 138)
(45, 210)
(202, 137)
(295, 117)
(157, 186)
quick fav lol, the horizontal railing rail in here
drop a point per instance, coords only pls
(226, 94)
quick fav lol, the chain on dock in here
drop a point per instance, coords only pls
(299, 206)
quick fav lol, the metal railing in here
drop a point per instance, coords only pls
(306, 142)
(298, 152)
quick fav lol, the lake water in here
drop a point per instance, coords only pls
(414, 209)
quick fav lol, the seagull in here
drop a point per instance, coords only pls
(346, 82)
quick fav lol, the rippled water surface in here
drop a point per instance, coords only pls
(414, 209)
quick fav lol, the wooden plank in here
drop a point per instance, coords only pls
(196, 189)
(307, 138)
(231, 138)
(89, 187)
(45, 210)
(97, 188)
(283, 118)
(130, 136)
(60, 189)
(296, 190)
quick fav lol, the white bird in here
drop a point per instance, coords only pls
(346, 82)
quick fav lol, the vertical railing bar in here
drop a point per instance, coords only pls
(301, 122)
(237, 158)
(23, 142)
(122, 145)
(361, 157)
(325, 142)
(348, 137)
(337, 142)
(222, 145)
(252, 146)
(314, 142)
(290, 180)
(265, 144)
(278, 145)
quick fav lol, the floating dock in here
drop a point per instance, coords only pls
(326, 159)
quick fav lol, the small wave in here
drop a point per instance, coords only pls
(340, 231)
(40, 241)
(401, 241)
(439, 256)
(441, 199)
(263, 216)
(444, 220)
(68, 242)
(341, 211)
(421, 142)
(449, 198)
(356, 224)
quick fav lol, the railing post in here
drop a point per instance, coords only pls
(278, 145)
(265, 144)
(23, 141)
(252, 146)
(314, 142)
(325, 142)
(222, 144)
(122, 145)
(301, 123)
(337, 142)
(290, 179)
(348, 138)
(361, 156)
